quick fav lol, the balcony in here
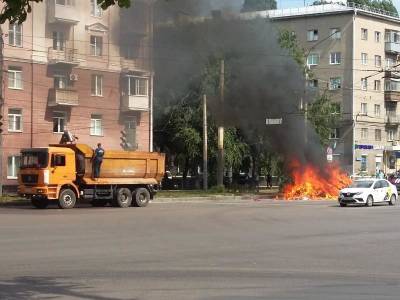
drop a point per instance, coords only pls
(392, 96)
(130, 103)
(65, 97)
(60, 57)
(392, 120)
(65, 13)
(392, 74)
(392, 47)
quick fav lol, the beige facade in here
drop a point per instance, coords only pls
(353, 54)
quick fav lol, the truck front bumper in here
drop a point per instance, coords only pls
(46, 191)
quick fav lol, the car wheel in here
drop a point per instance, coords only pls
(392, 200)
(343, 204)
(370, 201)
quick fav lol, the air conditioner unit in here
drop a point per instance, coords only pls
(73, 77)
(395, 143)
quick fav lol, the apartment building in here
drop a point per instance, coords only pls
(73, 66)
(354, 54)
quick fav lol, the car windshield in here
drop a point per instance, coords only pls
(34, 159)
(361, 184)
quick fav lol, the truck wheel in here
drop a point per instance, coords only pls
(99, 203)
(67, 199)
(123, 198)
(40, 202)
(142, 197)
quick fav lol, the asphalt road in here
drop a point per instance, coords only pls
(227, 250)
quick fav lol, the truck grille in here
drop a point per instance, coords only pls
(29, 178)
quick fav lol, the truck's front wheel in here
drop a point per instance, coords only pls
(123, 198)
(39, 202)
(142, 197)
(67, 199)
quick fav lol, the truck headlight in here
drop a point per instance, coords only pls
(46, 177)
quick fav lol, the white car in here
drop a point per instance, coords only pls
(368, 192)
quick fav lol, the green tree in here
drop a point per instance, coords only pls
(258, 5)
(17, 10)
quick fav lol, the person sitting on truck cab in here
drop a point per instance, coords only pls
(97, 160)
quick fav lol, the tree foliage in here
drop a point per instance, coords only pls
(258, 5)
(16, 11)
(386, 5)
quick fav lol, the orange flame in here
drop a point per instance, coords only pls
(309, 182)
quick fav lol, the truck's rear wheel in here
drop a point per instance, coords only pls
(142, 197)
(123, 198)
(39, 202)
(67, 199)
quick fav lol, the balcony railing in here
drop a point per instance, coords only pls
(392, 95)
(392, 47)
(392, 119)
(62, 13)
(130, 102)
(65, 97)
(65, 56)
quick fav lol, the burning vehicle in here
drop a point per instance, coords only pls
(367, 192)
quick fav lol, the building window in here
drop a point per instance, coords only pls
(364, 133)
(364, 84)
(378, 61)
(60, 81)
(13, 167)
(377, 37)
(377, 110)
(335, 83)
(65, 2)
(377, 85)
(364, 34)
(312, 35)
(389, 62)
(391, 134)
(137, 86)
(334, 134)
(58, 40)
(378, 135)
(15, 120)
(129, 141)
(312, 83)
(364, 58)
(97, 85)
(392, 85)
(364, 109)
(15, 35)
(95, 9)
(96, 45)
(96, 127)
(336, 34)
(15, 78)
(313, 59)
(335, 58)
(363, 163)
(58, 122)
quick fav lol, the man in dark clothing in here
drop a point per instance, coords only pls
(269, 180)
(97, 160)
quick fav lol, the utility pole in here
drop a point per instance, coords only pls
(220, 158)
(205, 155)
(1, 108)
(305, 123)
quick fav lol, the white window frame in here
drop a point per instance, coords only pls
(364, 58)
(377, 36)
(136, 89)
(95, 9)
(312, 35)
(57, 117)
(61, 81)
(364, 84)
(96, 125)
(15, 118)
(65, 2)
(378, 135)
(15, 78)
(389, 62)
(391, 134)
(364, 133)
(96, 45)
(97, 85)
(312, 83)
(335, 58)
(15, 35)
(378, 61)
(377, 110)
(364, 109)
(334, 134)
(59, 40)
(12, 173)
(335, 83)
(377, 85)
(364, 34)
(336, 34)
(313, 59)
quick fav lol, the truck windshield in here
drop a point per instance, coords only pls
(34, 160)
(361, 184)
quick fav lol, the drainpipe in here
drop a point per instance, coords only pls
(352, 96)
(32, 77)
(151, 90)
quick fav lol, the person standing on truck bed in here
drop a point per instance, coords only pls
(97, 160)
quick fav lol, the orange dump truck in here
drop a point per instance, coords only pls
(63, 173)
